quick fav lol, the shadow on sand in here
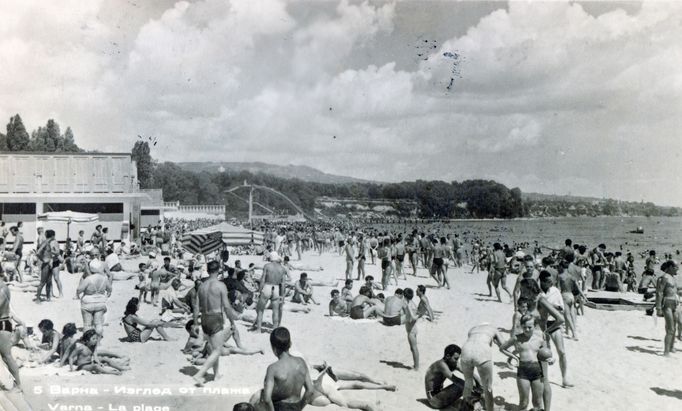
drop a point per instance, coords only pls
(635, 348)
(395, 364)
(667, 393)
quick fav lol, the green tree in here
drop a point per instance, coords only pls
(69, 141)
(17, 136)
(53, 137)
(145, 166)
(38, 140)
(3, 142)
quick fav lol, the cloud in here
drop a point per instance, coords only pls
(550, 95)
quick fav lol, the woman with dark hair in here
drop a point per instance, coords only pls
(131, 321)
(50, 340)
(67, 343)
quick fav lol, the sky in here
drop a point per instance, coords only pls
(557, 97)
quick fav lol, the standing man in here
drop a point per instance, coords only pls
(348, 251)
(18, 246)
(500, 271)
(271, 289)
(667, 301)
(48, 251)
(362, 253)
(213, 302)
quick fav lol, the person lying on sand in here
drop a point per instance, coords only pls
(328, 384)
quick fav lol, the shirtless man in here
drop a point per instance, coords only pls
(303, 291)
(552, 298)
(6, 335)
(364, 306)
(362, 256)
(667, 301)
(394, 309)
(17, 247)
(284, 379)
(424, 307)
(271, 289)
(338, 306)
(213, 302)
(530, 374)
(411, 317)
(350, 258)
(568, 285)
(477, 354)
(155, 285)
(441, 370)
(499, 274)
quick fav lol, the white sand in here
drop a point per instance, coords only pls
(617, 363)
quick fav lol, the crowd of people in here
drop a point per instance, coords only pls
(210, 295)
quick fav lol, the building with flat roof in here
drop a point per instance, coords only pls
(99, 183)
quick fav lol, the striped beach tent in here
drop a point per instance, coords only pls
(202, 241)
(234, 236)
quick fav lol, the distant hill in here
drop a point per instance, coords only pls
(303, 173)
(555, 197)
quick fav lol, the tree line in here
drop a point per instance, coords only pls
(436, 199)
(44, 139)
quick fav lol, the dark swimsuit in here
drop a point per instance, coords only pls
(529, 370)
(390, 321)
(288, 406)
(212, 323)
(357, 312)
(134, 332)
(6, 325)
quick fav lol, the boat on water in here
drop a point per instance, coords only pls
(639, 230)
(613, 300)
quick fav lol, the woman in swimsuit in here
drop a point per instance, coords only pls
(131, 321)
(667, 301)
(49, 342)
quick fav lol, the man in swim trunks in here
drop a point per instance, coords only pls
(667, 302)
(530, 374)
(411, 317)
(436, 375)
(338, 306)
(284, 379)
(393, 308)
(362, 256)
(350, 258)
(499, 265)
(271, 289)
(213, 302)
(364, 306)
(477, 355)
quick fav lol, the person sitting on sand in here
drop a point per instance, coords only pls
(131, 321)
(85, 357)
(437, 395)
(364, 306)
(112, 261)
(284, 379)
(393, 312)
(346, 291)
(530, 373)
(338, 306)
(67, 343)
(49, 342)
(168, 293)
(303, 291)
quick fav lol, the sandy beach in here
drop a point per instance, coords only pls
(613, 347)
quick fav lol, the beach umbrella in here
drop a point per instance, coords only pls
(202, 242)
(68, 217)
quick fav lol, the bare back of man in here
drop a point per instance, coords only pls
(213, 301)
(274, 275)
(393, 311)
